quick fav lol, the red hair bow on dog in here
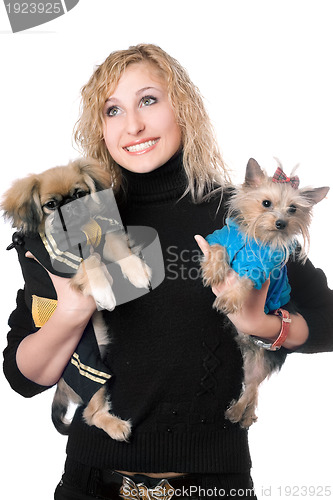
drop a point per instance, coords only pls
(281, 177)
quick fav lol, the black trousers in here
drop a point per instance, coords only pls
(106, 485)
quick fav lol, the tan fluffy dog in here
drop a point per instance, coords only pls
(28, 203)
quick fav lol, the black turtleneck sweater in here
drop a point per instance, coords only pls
(175, 362)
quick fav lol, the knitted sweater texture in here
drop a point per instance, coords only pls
(175, 363)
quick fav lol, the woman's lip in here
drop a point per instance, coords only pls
(140, 141)
(141, 146)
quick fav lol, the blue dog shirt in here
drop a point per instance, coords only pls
(256, 261)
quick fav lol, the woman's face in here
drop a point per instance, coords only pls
(140, 130)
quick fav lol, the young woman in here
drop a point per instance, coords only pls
(175, 363)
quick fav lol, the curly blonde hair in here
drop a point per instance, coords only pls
(202, 160)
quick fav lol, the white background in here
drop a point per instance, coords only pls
(265, 70)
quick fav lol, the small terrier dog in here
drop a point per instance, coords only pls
(265, 218)
(31, 203)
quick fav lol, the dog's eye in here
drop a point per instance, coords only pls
(79, 194)
(51, 205)
(266, 203)
(292, 209)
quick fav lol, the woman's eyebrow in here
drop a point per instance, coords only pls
(140, 91)
(144, 89)
(113, 99)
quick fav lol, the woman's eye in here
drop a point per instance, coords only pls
(112, 111)
(292, 209)
(266, 203)
(147, 101)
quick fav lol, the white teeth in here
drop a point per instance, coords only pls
(141, 146)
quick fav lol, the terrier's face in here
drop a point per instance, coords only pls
(273, 212)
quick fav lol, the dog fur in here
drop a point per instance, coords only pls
(257, 219)
(27, 203)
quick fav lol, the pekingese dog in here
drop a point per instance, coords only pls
(47, 204)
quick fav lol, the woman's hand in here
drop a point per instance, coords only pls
(252, 320)
(42, 356)
(70, 301)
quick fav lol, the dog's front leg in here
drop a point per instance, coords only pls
(233, 297)
(215, 266)
(116, 249)
(93, 279)
(98, 413)
(101, 332)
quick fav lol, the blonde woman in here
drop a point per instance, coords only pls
(176, 365)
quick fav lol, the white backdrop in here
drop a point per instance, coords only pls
(265, 70)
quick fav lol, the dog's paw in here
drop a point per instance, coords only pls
(215, 266)
(235, 412)
(239, 413)
(136, 271)
(223, 304)
(208, 278)
(104, 297)
(233, 298)
(248, 419)
(118, 429)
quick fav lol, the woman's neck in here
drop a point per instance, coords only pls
(162, 184)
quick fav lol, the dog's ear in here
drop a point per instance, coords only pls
(21, 204)
(254, 176)
(94, 174)
(315, 195)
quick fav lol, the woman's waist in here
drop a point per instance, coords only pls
(158, 475)
(166, 450)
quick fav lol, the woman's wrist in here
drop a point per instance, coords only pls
(43, 355)
(261, 325)
(75, 313)
(268, 327)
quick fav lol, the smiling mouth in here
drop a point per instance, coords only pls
(142, 146)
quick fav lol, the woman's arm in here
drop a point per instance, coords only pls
(252, 320)
(41, 357)
(313, 301)
(21, 325)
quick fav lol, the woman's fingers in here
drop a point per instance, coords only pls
(53, 277)
(202, 243)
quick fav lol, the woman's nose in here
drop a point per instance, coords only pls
(135, 123)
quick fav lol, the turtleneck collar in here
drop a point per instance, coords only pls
(162, 184)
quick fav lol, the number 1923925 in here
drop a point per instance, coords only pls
(34, 8)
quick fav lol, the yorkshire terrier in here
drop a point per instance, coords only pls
(266, 217)
(38, 205)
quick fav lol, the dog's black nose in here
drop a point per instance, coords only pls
(280, 224)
